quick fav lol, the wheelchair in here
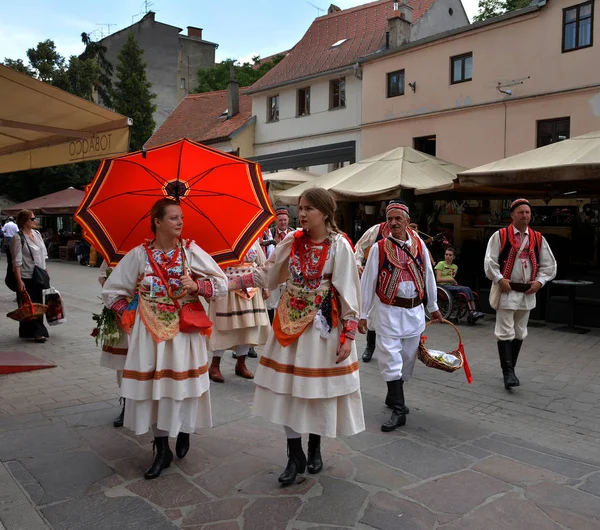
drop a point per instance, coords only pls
(454, 307)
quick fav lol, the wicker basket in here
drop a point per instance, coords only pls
(429, 360)
(28, 309)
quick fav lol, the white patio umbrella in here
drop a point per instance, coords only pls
(566, 165)
(383, 176)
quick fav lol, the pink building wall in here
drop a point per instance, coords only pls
(468, 119)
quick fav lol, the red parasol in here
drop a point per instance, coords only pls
(222, 196)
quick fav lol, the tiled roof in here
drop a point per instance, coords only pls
(197, 117)
(363, 26)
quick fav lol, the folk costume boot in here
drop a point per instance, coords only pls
(240, 368)
(390, 404)
(314, 462)
(163, 457)
(252, 353)
(516, 349)
(505, 354)
(121, 417)
(396, 395)
(370, 349)
(214, 372)
(182, 446)
(296, 462)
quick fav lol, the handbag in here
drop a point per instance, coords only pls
(495, 291)
(40, 276)
(192, 316)
(55, 314)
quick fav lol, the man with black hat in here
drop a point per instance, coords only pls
(519, 262)
(396, 278)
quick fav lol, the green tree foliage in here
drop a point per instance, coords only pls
(217, 77)
(132, 96)
(495, 8)
(103, 82)
(19, 66)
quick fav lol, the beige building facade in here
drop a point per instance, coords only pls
(491, 90)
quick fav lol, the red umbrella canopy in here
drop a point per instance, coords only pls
(223, 198)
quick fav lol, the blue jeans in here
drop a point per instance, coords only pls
(460, 289)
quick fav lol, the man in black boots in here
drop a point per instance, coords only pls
(395, 280)
(519, 262)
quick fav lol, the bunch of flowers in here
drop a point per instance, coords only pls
(106, 330)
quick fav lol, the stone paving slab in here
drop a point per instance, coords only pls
(470, 456)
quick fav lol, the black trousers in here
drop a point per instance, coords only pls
(33, 329)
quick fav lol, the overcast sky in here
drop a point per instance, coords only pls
(242, 29)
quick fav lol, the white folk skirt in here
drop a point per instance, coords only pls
(166, 384)
(301, 386)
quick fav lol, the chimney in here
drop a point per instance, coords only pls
(194, 32)
(400, 25)
(333, 9)
(233, 95)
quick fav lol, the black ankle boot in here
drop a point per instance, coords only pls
(314, 462)
(370, 349)
(508, 371)
(121, 417)
(515, 350)
(252, 353)
(390, 405)
(163, 457)
(296, 462)
(182, 446)
(396, 396)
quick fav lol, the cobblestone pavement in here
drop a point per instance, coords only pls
(470, 457)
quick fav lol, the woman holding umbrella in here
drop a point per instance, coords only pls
(307, 379)
(165, 381)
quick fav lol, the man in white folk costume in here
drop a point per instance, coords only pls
(363, 246)
(396, 278)
(519, 262)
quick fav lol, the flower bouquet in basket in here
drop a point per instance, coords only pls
(445, 361)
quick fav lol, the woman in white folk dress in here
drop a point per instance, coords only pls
(240, 320)
(165, 380)
(307, 379)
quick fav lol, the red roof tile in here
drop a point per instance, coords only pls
(198, 117)
(364, 26)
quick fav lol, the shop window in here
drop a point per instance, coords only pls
(578, 27)
(395, 84)
(461, 68)
(552, 131)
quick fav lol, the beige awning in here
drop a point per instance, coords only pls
(289, 175)
(42, 126)
(383, 176)
(568, 165)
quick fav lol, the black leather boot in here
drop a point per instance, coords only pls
(370, 349)
(121, 417)
(271, 313)
(396, 396)
(182, 445)
(516, 348)
(314, 463)
(296, 462)
(390, 405)
(163, 457)
(252, 353)
(505, 354)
